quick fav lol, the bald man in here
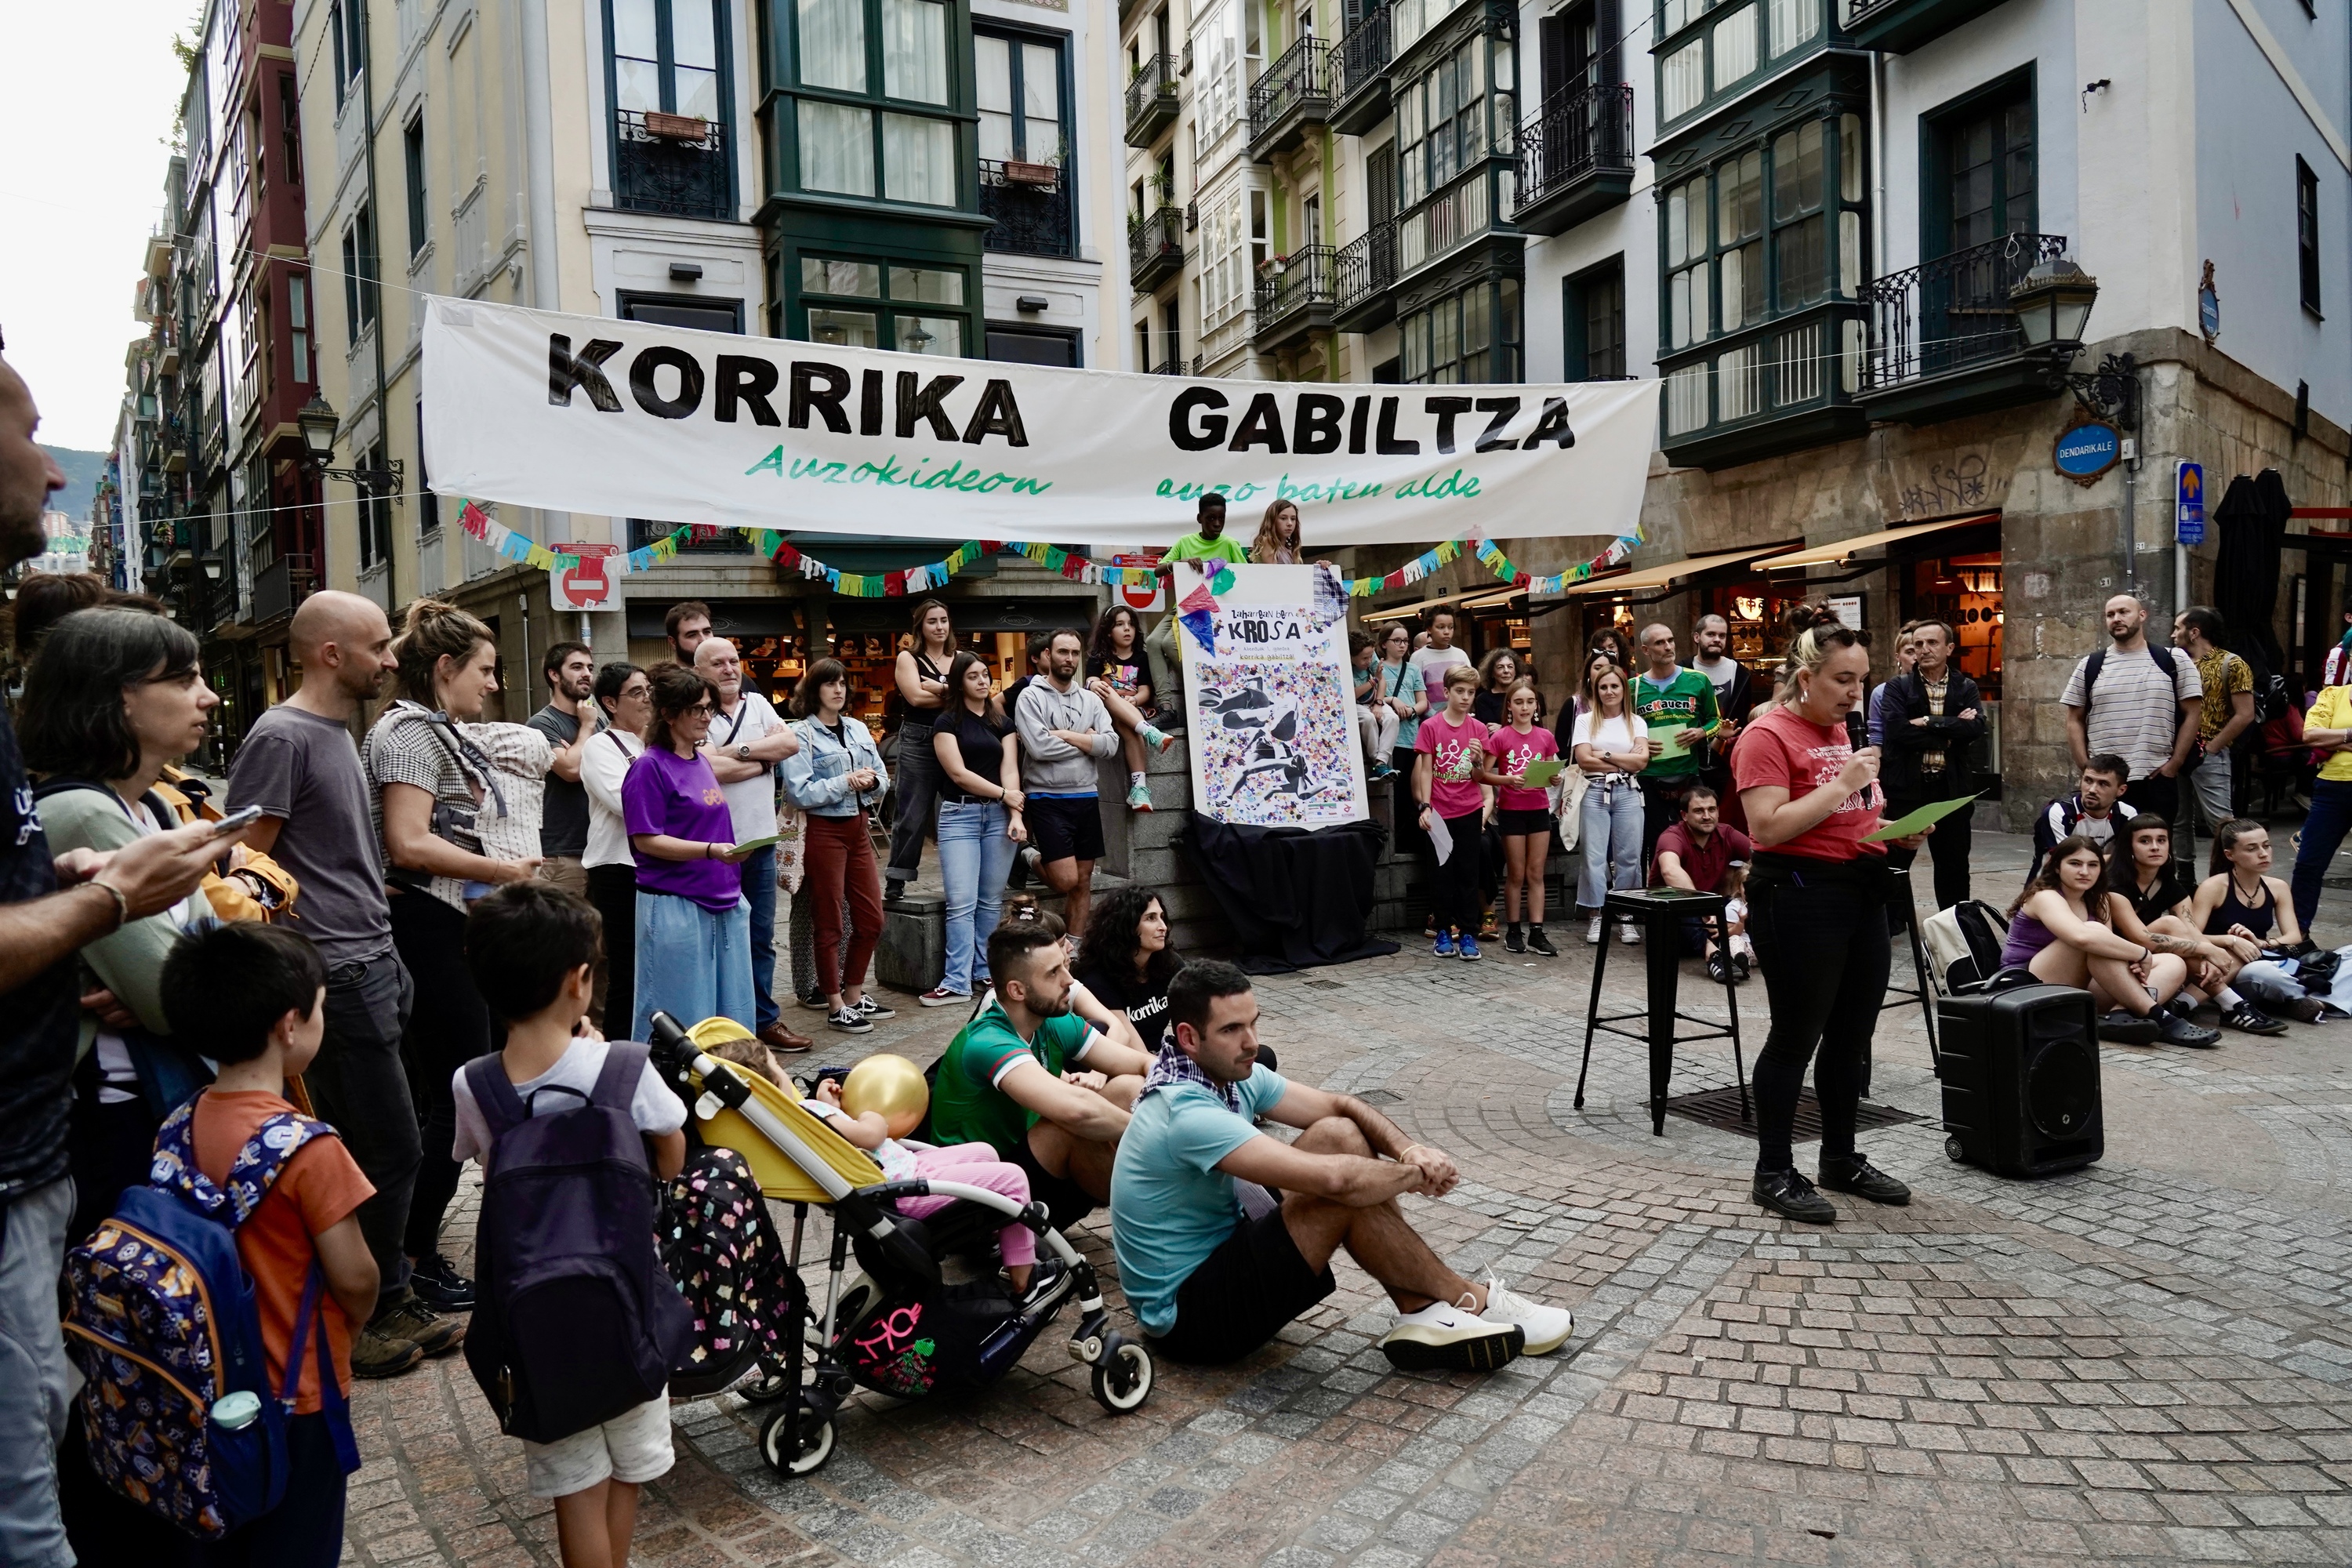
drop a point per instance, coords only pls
(299, 765)
(746, 740)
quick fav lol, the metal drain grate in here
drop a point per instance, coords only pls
(1719, 1109)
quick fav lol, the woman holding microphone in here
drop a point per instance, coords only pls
(1817, 907)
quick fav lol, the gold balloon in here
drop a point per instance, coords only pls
(892, 1086)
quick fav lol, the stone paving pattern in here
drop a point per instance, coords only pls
(2147, 1361)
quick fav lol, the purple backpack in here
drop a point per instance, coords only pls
(576, 1321)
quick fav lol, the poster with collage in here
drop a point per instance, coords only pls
(1268, 694)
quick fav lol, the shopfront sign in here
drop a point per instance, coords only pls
(2083, 452)
(2189, 503)
(586, 414)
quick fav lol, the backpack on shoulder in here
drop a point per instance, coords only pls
(161, 1319)
(576, 1321)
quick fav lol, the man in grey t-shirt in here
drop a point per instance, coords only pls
(299, 765)
(569, 670)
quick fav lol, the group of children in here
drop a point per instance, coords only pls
(1467, 774)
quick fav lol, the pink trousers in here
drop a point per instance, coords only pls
(976, 1165)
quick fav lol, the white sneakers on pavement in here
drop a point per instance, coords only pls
(1447, 1336)
(1547, 1328)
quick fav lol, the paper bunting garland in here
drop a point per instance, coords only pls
(474, 518)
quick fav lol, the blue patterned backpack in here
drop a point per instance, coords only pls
(161, 1317)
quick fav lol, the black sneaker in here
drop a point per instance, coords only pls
(1863, 1180)
(1540, 943)
(442, 1288)
(2174, 1029)
(814, 1000)
(869, 1009)
(1718, 970)
(2126, 1029)
(1513, 942)
(1740, 967)
(1789, 1196)
(2248, 1020)
(2306, 1009)
(849, 1021)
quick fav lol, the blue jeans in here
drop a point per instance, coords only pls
(692, 962)
(2323, 832)
(33, 1369)
(975, 858)
(1610, 839)
(759, 892)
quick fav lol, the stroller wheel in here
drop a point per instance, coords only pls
(769, 1385)
(1122, 1380)
(816, 1444)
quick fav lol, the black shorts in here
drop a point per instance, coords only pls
(1243, 1294)
(1522, 824)
(1068, 1202)
(1066, 827)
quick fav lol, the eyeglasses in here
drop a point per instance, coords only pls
(700, 711)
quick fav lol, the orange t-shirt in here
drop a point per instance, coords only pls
(318, 1190)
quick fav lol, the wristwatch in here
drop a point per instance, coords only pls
(744, 753)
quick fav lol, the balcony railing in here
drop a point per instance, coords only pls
(1150, 100)
(1155, 246)
(1360, 86)
(1031, 204)
(671, 163)
(1576, 157)
(1298, 299)
(1290, 95)
(1950, 313)
(703, 540)
(1363, 279)
(1169, 367)
(281, 585)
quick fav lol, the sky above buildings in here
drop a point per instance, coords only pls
(87, 94)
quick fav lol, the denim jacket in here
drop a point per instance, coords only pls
(816, 777)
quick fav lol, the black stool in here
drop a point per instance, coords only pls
(1662, 911)
(1923, 989)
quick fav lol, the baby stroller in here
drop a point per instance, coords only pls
(926, 1312)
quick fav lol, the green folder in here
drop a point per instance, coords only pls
(1933, 812)
(1541, 772)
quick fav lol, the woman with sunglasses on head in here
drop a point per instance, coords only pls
(1817, 911)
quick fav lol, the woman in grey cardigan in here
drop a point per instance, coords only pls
(113, 698)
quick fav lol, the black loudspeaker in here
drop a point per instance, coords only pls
(2020, 1079)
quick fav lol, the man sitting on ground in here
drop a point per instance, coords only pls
(2096, 810)
(1014, 1065)
(1214, 1266)
(1701, 855)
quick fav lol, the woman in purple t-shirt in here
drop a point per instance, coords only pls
(694, 928)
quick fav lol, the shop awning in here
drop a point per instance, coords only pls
(1665, 576)
(1421, 607)
(1845, 549)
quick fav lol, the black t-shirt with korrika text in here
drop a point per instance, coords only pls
(38, 1022)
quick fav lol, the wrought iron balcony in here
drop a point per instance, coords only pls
(1155, 247)
(703, 540)
(1576, 158)
(1363, 280)
(1898, 26)
(1031, 204)
(1169, 367)
(1359, 68)
(1943, 339)
(281, 585)
(1298, 299)
(671, 163)
(1288, 97)
(1150, 100)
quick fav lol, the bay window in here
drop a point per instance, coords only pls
(866, 303)
(1469, 337)
(1454, 123)
(894, 54)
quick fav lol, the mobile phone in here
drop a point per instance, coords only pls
(236, 819)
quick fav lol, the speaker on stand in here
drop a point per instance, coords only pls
(2020, 1076)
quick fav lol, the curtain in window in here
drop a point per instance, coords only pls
(915, 51)
(919, 162)
(1041, 102)
(694, 54)
(832, 44)
(837, 148)
(994, 57)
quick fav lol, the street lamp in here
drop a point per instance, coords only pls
(2053, 302)
(318, 423)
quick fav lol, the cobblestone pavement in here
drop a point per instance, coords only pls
(2148, 1361)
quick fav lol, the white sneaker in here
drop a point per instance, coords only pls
(1629, 933)
(1592, 933)
(1444, 1337)
(1547, 1328)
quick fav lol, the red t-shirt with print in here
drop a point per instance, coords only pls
(1787, 749)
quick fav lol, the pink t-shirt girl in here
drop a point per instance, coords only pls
(1509, 751)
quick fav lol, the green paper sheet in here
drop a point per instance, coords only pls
(756, 844)
(1541, 772)
(1933, 812)
(1674, 751)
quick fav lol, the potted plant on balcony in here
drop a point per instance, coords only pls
(676, 127)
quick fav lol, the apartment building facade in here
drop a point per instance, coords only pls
(1809, 218)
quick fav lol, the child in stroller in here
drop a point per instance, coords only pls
(928, 1312)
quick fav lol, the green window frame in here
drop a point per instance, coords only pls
(880, 92)
(913, 306)
(1470, 336)
(1455, 124)
(1711, 49)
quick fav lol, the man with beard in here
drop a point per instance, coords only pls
(1065, 730)
(568, 723)
(49, 910)
(2139, 701)
(1027, 1056)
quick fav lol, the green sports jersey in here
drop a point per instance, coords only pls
(1192, 547)
(1687, 701)
(967, 1106)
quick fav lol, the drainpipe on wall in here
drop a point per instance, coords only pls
(1878, 155)
(539, 174)
(376, 259)
(2131, 537)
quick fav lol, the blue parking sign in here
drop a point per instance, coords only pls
(2189, 495)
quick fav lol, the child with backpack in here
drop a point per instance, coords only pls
(577, 1326)
(252, 997)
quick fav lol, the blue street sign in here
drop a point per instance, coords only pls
(2083, 452)
(2189, 493)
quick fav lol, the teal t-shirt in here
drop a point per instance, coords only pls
(1686, 702)
(1170, 1205)
(967, 1106)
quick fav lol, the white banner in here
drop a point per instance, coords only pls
(1268, 694)
(589, 415)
